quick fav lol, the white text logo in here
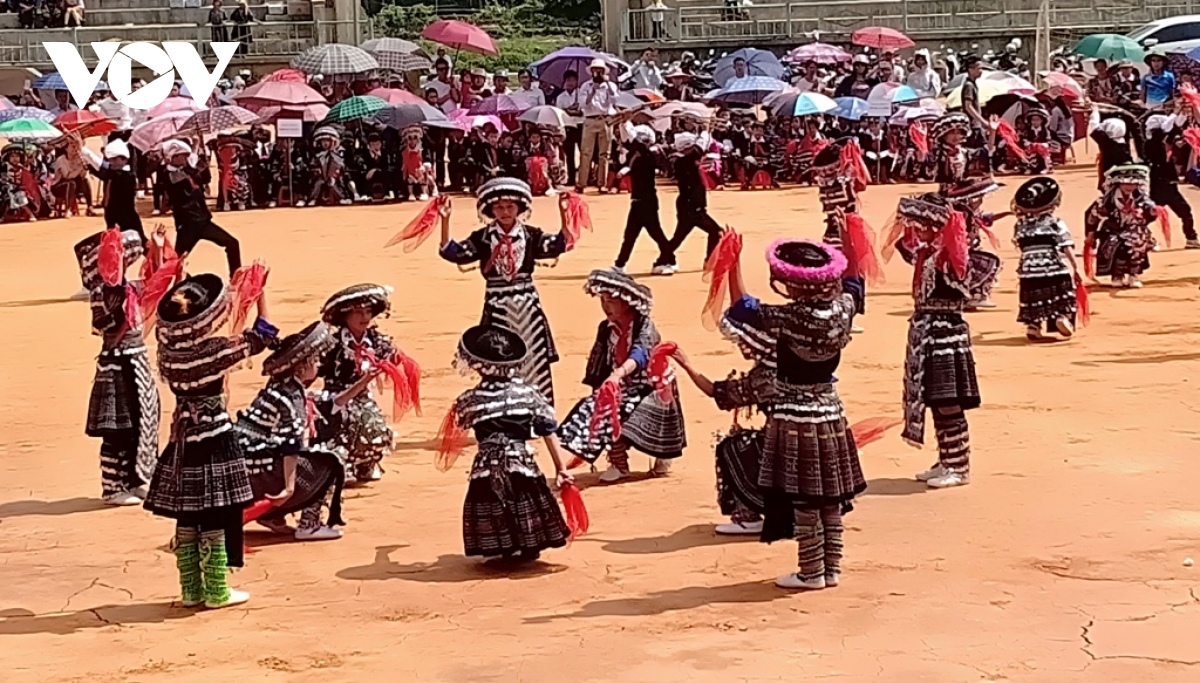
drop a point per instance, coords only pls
(163, 61)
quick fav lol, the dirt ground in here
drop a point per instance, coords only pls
(1064, 561)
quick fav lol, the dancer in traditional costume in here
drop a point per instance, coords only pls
(967, 197)
(1047, 272)
(1118, 226)
(508, 250)
(359, 346)
(416, 166)
(838, 184)
(509, 510)
(649, 414)
(284, 434)
(810, 470)
(939, 368)
(201, 480)
(124, 410)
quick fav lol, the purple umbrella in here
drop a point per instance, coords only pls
(500, 105)
(550, 69)
(26, 113)
(748, 90)
(821, 53)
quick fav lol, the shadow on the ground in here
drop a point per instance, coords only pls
(693, 536)
(445, 569)
(20, 622)
(895, 487)
(50, 508)
(675, 600)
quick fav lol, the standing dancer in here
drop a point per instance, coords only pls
(939, 368)
(509, 510)
(618, 372)
(691, 206)
(359, 345)
(810, 470)
(1047, 272)
(967, 197)
(1164, 174)
(119, 182)
(201, 480)
(123, 410)
(279, 433)
(838, 187)
(508, 250)
(1118, 226)
(643, 201)
(193, 220)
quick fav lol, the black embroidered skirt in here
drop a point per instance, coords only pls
(648, 424)
(317, 473)
(1045, 299)
(739, 460)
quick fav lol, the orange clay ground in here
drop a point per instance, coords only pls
(1064, 561)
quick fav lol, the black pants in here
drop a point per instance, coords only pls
(438, 140)
(187, 236)
(643, 215)
(125, 221)
(570, 149)
(687, 219)
(1168, 194)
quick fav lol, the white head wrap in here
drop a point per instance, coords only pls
(1114, 129)
(116, 148)
(174, 147)
(684, 142)
(643, 134)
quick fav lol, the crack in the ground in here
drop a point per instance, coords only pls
(1085, 635)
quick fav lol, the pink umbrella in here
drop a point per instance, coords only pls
(172, 104)
(821, 53)
(881, 37)
(396, 96)
(461, 36)
(150, 134)
(466, 121)
(1069, 87)
(500, 105)
(287, 76)
(274, 93)
(5, 103)
(310, 113)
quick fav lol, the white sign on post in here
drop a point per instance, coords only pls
(289, 128)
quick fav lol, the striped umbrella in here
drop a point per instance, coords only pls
(333, 59)
(26, 113)
(357, 107)
(212, 120)
(400, 45)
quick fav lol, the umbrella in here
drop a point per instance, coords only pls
(748, 90)
(850, 108)
(398, 54)
(627, 100)
(286, 75)
(461, 119)
(396, 96)
(993, 84)
(821, 53)
(648, 96)
(1067, 86)
(148, 135)
(26, 113)
(461, 36)
(269, 93)
(357, 107)
(907, 115)
(758, 63)
(400, 45)
(800, 104)
(54, 81)
(309, 113)
(28, 129)
(86, 122)
(879, 100)
(545, 115)
(881, 38)
(1109, 46)
(402, 116)
(904, 94)
(172, 104)
(500, 105)
(334, 59)
(219, 118)
(6, 104)
(550, 69)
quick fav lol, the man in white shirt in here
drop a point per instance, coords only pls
(645, 72)
(500, 83)
(62, 103)
(527, 94)
(598, 99)
(568, 101)
(443, 84)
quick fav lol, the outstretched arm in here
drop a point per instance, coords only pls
(703, 383)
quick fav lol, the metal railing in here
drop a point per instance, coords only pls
(705, 21)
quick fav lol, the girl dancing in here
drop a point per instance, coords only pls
(1118, 226)
(1047, 272)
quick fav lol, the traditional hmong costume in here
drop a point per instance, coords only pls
(838, 187)
(509, 509)
(957, 185)
(363, 432)
(284, 420)
(1118, 225)
(939, 368)
(328, 170)
(647, 420)
(201, 481)
(1047, 282)
(123, 410)
(416, 166)
(810, 470)
(507, 259)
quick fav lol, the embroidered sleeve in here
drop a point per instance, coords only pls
(385, 348)
(546, 245)
(750, 390)
(1064, 235)
(464, 252)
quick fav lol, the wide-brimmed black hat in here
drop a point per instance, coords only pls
(929, 211)
(1037, 196)
(950, 122)
(192, 310)
(970, 188)
(87, 253)
(621, 286)
(503, 188)
(294, 349)
(375, 296)
(492, 351)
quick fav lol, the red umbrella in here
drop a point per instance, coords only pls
(881, 37)
(287, 76)
(86, 122)
(396, 96)
(274, 93)
(461, 36)
(310, 113)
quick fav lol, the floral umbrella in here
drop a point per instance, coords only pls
(500, 105)
(219, 118)
(881, 38)
(821, 53)
(26, 113)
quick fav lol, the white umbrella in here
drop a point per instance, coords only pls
(545, 115)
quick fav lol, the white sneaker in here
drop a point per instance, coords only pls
(855, 329)
(156, 212)
(618, 269)
(1118, 281)
(346, 202)
(794, 581)
(932, 473)
(739, 529)
(832, 579)
(81, 295)
(424, 197)
(300, 204)
(986, 303)
(612, 474)
(1064, 327)
(236, 597)
(321, 533)
(271, 205)
(1135, 283)
(122, 499)
(950, 479)
(276, 526)
(141, 491)
(663, 270)
(661, 467)
(141, 194)
(554, 193)
(1033, 332)
(1192, 244)
(376, 473)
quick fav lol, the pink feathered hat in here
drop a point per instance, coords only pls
(806, 268)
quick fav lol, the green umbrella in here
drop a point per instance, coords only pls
(1110, 46)
(357, 107)
(28, 129)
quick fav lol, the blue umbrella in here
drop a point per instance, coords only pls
(552, 67)
(905, 94)
(850, 108)
(54, 81)
(758, 63)
(26, 113)
(748, 90)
